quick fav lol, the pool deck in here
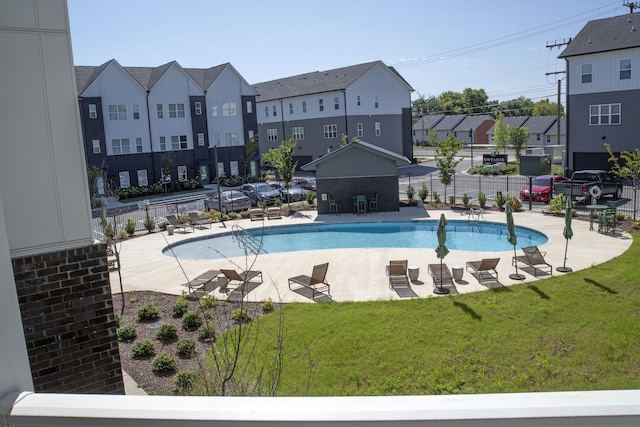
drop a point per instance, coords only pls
(356, 274)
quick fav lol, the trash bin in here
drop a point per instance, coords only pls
(457, 271)
(222, 282)
(413, 272)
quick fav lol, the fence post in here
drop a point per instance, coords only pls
(431, 185)
(454, 184)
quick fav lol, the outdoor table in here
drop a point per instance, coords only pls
(593, 209)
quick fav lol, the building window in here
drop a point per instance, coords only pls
(217, 139)
(96, 146)
(251, 134)
(336, 103)
(266, 111)
(118, 112)
(120, 146)
(179, 142)
(176, 111)
(321, 104)
(229, 109)
(235, 141)
(625, 69)
(124, 179)
(163, 144)
(231, 139)
(214, 110)
(249, 107)
(182, 173)
(138, 145)
(586, 73)
(200, 139)
(165, 177)
(304, 106)
(537, 137)
(360, 129)
(297, 133)
(330, 131)
(159, 110)
(198, 107)
(291, 108)
(136, 112)
(378, 130)
(605, 114)
(142, 177)
(93, 112)
(234, 168)
(272, 134)
(275, 111)
(220, 168)
(376, 103)
(358, 101)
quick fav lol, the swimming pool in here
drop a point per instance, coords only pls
(461, 235)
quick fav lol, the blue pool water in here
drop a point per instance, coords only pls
(461, 235)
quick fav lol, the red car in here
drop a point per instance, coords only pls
(543, 187)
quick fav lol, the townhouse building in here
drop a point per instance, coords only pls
(603, 89)
(370, 101)
(473, 129)
(132, 117)
(422, 127)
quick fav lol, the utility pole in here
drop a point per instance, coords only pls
(566, 162)
(631, 5)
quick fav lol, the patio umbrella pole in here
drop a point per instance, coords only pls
(516, 275)
(567, 233)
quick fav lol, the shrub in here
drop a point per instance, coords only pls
(268, 306)
(557, 204)
(149, 224)
(436, 197)
(180, 307)
(207, 332)
(130, 227)
(185, 382)
(123, 235)
(207, 301)
(411, 193)
(423, 193)
(149, 311)
(143, 348)
(516, 204)
(164, 362)
(167, 332)
(452, 199)
(465, 200)
(126, 332)
(191, 320)
(310, 197)
(482, 199)
(241, 315)
(500, 200)
(186, 347)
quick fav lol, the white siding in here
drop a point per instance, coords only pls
(392, 93)
(228, 87)
(605, 72)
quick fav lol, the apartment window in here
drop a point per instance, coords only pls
(142, 177)
(336, 103)
(136, 112)
(235, 141)
(330, 131)
(291, 108)
(217, 139)
(118, 112)
(625, 69)
(179, 142)
(220, 168)
(548, 139)
(231, 139)
(249, 107)
(272, 134)
(360, 129)
(376, 103)
(138, 145)
(198, 107)
(251, 134)
(321, 104)
(275, 111)
(229, 109)
(537, 137)
(586, 73)
(93, 112)
(200, 139)
(124, 179)
(214, 110)
(605, 114)
(358, 101)
(159, 111)
(165, 177)
(120, 146)
(234, 167)
(96, 146)
(163, 144)
(378, 130)
(297, 133)
(182, 173)
(304, 106)
(266, 111)
(176, 111)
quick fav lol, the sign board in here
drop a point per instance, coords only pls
(533, 165)
(493, 158)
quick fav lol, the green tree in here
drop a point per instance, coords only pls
(627, 166)
(434, 139)
(474, 101)
(251, 147)
(281, 158)
(446, 152)
(167, 164)
(501, 132)
(546, 108)
(423, 106)
(520, 106)
(519, 138)
(452, 102)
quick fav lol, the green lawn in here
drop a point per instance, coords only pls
(578, 331)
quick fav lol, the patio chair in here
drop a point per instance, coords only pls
(256, 213)
(440, 274)
(196, 220)
(317, 282)
(242, 277)
(607, 220)
(533, 258)
(397, 272)
(484, 269)
(177, 225)
(334, 206)
(373, 203)
(202, 280)
(274, 212)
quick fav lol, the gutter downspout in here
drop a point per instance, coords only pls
(153, 162)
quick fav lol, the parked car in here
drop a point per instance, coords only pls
(590, 184)
(294, 193)
(260, 192)
(231, 200)
(542, 188)
(307, 183)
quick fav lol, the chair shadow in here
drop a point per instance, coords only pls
(237, 294)
(308, 293)
(464, 307)
(535, 272)
(486, 280)
(538, 291)
(601, 286)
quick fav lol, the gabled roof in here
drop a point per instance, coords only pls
(316, 82)
(604, 35)
(85, 75)
(539, 124)
(205, 76)
(428, 122)
(400, 160)
(472, 122)
(512, 121)
(553, 130)
(449, 122)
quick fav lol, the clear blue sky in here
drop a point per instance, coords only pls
(437, 45)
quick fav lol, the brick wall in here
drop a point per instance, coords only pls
(68, 321)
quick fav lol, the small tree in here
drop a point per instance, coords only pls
(628, 169)
(501, 136)
(446, 152)
(519, 138)
(281, 158)
(167, 164)
(251, 147)
(433, 138)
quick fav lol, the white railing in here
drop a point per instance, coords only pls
(592, 408)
